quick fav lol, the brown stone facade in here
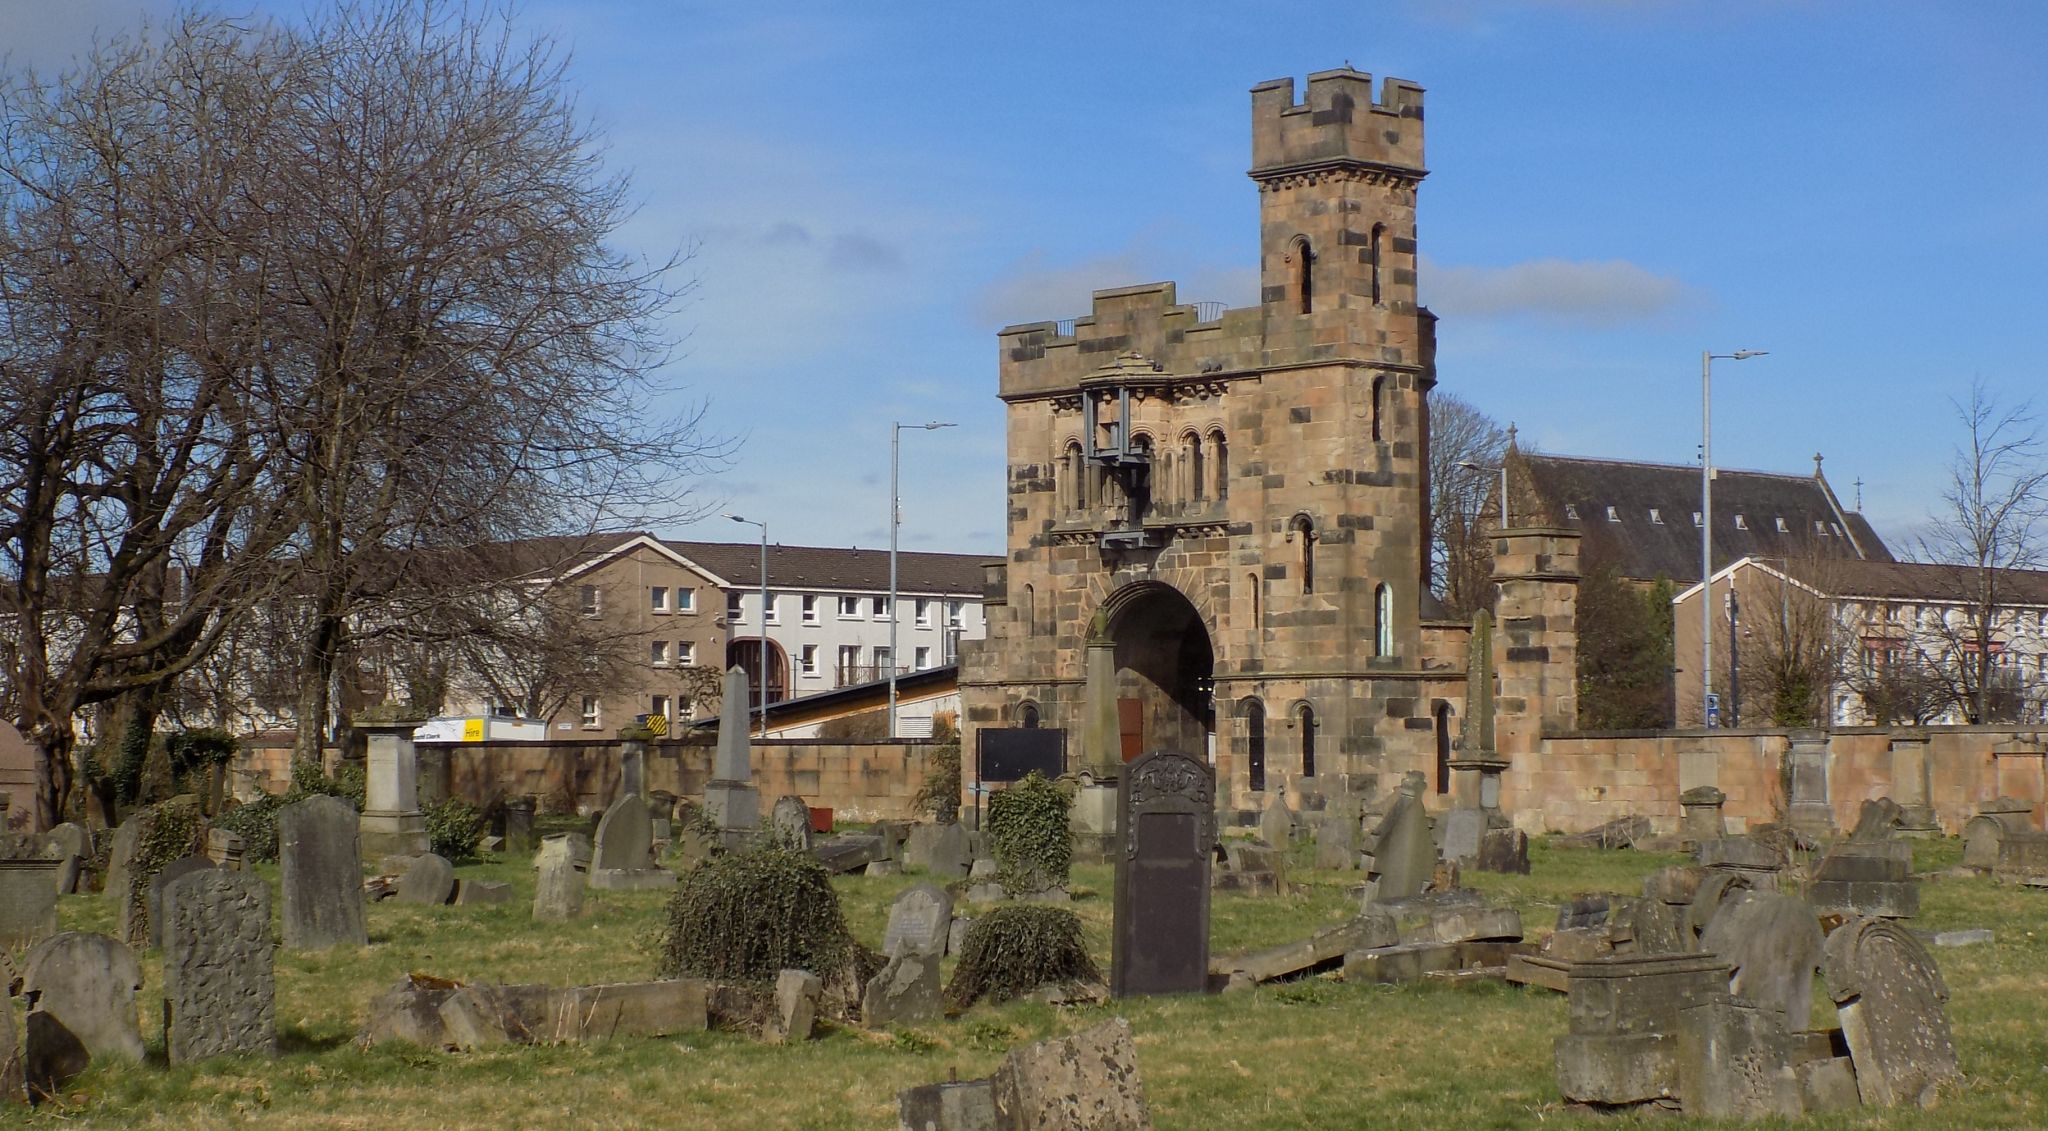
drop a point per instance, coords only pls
(1236, 498)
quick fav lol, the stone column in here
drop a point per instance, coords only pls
(731, 801)
(391, 823)
(1809, 808)
(1536, 648)
(1910, 786)
(1102, 740)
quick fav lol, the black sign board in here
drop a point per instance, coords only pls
(1166, 826)
(1009, 753)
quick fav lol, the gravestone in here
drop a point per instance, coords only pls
(73, 852)
(1337, 839)
(320, 860)
(153, 898)
(624, 859)
(1276, 824)
(1735, 1061)
(391, 823)
(13, 1083)
(558, 892)
(904, 992)
(919, 920)
(1894, 1009)
(121, 858)
(28, 901)
(519, 825)
(1869, 877)
(941, 850)
(790, 821)
(85, 987)
(1774, 944)
(1912, 786)
(1464, 829)
(1702, 819)
(1998, 819)
(796, 1007)
(1806, 762)
(1622, 1024)
(1877, 818)
(1166, 825)
(1087, 1081)
(219, 987)
(429, 881)
(1403, 855)
(1505, 851)
(731, 801)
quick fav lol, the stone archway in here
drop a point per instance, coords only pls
(1165, 670)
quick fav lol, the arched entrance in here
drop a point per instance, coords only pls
(1165, 670)
(745, 652)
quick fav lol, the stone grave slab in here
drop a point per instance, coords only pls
(1894, 1009)
(1337, 840)
(28, 901)
(154, 897)
(790, 821)
(1773, 942)
(558, 891)
(1735, 1061)
(1276, 823)
(1089, 1080)
(919, 920)
(796, 1007)
(906, 991)
(320, 859)
(219, 985)
(1505, 851)
(941, 850)
(1159, 942)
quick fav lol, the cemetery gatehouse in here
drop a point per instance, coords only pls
(1232, 503)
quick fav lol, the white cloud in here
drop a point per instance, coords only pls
(48, 34)
(1584, 292)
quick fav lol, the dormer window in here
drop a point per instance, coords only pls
(1571, 512)
(1782, 529)
(1741, 523)
(1820, 528)
(1696, 522)
(1613, 515)
(1656, 516)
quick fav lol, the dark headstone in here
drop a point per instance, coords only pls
(905, 991)
(219, 985)
(182, 866)
(1504, 850)
(1877, 819)
(1894, 1009)
(941, 850)
(28, 901)
(519, 825)
(320, 858)
(1166, 818)
(1403, 855)
(625, 836)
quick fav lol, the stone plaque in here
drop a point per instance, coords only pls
(1160, 940)
(320, 858)
(219, 986)
(919, 920)
(1894, 1008)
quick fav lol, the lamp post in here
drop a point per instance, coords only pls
(764, 616)
(1468, 465)
(895, 520)
(1707, 523)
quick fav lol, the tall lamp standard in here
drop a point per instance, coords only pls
(1468, 465)
(896, 520)
(1707, 358)
(764, 617)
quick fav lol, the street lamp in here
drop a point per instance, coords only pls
(1707, 522)
(1468, 465)
(764, 616)
(895, 520)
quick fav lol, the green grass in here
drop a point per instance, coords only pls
(1313, 1054)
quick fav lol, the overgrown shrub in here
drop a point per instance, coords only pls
(455, 829)
(256, 823)
(939, 795)
(1028, 835)
(350, 782)
(747, 916)
(1012, 950)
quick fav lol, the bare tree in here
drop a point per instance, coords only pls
(1990, 523)
(1464, 446)
(1792, 644)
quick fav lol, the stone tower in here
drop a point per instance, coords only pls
(1231, 503)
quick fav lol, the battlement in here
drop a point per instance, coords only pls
(1339, 122)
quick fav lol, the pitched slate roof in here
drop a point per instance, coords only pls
(1638, 517)
(819, 567)
(1918, 581)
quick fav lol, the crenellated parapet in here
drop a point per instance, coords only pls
(1338, 129)
(1184, 340)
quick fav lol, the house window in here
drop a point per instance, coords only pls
(1820, 528)
(686, 708)
(810, 610)
(1255, 743)
(924, 612)
(591, 604)
(809, 659)
(686, 653)
(686, 599)
(1383, 621)
(593, 713)
(1656, 516)
(657, 653)
(883, 661)
(924, 658)
(849, 663)
(1613, 515)
(657, 598)
(952, 614)
(1307, 718)
(658, 706)
(849, 607)
(774, 601)
(735, 611)
(881, 608)
(1782, 529)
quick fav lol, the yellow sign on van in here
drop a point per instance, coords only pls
(472, 730)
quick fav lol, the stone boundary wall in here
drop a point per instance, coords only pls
(1582, 780)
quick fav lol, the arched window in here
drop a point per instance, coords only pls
(1379, 389)
(1141, 484)
(1305, 533)
(1077, 479)
(1382, 620)
(1258, 591)
(1192, 446)
(1028, 611)
(1027, 715)
(1255, 743)
(1222, 462)
(1379, 236)
(1304, 281)
(1306, 716)
(1443, 748)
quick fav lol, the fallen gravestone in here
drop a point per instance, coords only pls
(1877, 819)
(920, 920)
(1773, 942)
(429, 881)
(321, 865)
(558, 892)
(1251, 868)
(905, 991)
(1086, 1082)
(796, 1007)
(469, 892)
(1894, 1008)
(219, 986)
(1622, 832)
(83, 992)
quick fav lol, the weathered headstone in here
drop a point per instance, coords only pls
(1505, 851)
(1337, 839)
(1774, 943)
(1086, 1082)
(1403, 855)
(1463, 829)
(391, 822)
(796, 1007)
(1621, 1044)
(790, 821)
(731, 801)
(1806, 763)
(1911, 783)
(121, 858)
(624, 859)
(1702, 821)
(1276, 823)
(1894, 1010)
(558, 892)
(225, 849)
(519, 825)
(219, 986)
(429, 881)
(941, 850)
(1998, 819)
(13, 1082)
(28, 901)
(1735, 1061)
(471, 892)
(1160, 934)
(321, 864)
(85, 986)
(1870, 877)
(153, 898)
(905, 991)
(71, 846)
(919, 920)
(956, 1105)
(1877, 819)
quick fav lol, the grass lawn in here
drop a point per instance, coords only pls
(1312, 1054)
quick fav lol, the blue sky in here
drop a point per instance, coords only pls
(872, 190)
